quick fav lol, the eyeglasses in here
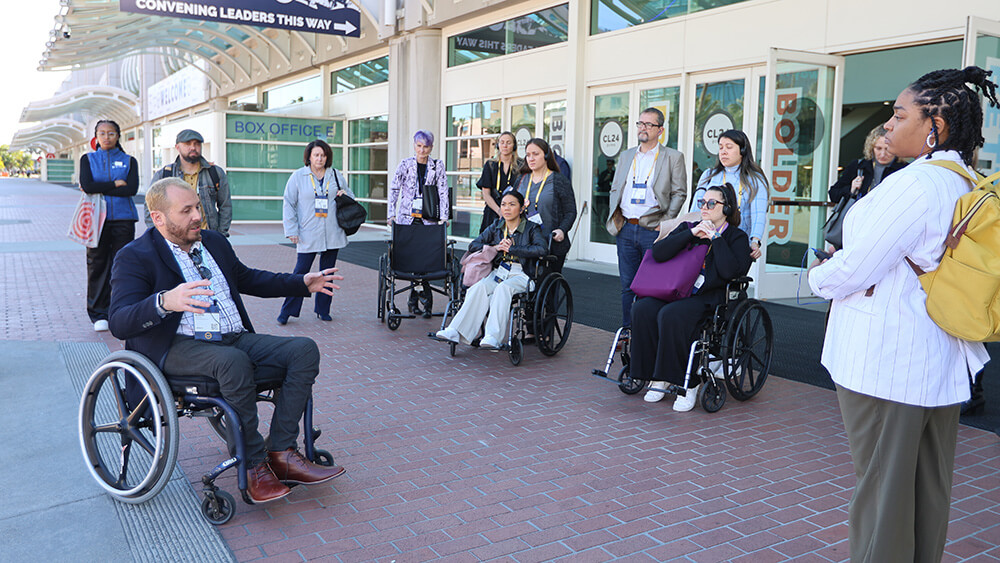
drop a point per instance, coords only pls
(647, 125)
(204, 272)
(709, 203)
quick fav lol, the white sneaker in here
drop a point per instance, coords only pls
(657, 391)
(449, 334)
(101, 326)
(489, 343)
(687, 402)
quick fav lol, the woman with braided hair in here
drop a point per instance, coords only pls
(900, 378)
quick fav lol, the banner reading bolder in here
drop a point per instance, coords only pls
(333, 17)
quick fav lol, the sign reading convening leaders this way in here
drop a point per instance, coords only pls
(333, 17)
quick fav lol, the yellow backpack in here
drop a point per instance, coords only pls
(963, 293)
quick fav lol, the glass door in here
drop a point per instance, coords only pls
(801, 141)
(982, 48)
(718, 107)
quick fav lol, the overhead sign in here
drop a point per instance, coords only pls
(333, 17)
(182, 89)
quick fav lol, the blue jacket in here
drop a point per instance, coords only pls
(146, 266)
(98, 172)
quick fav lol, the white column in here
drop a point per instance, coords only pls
(414, 92)
(577, 144)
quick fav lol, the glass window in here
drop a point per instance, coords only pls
(609, 15)
(360, 75)
(368, 164)
(554, 126)
(469, 142)
(666, 100)
(545, 27)
(718, 108)
(307, 90)
(610, 126)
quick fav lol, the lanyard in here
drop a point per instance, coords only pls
(650, 175)
(506, 256)
(510, 174)
(541, 185)
(312, 178)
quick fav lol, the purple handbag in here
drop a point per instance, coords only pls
(672, 280)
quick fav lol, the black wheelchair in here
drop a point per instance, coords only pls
(543, 315)
(129, 430)
(416, 254)
(735, 346)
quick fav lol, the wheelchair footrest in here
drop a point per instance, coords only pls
(599, 373)
(678, 390)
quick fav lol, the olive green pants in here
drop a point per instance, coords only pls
(903, 457)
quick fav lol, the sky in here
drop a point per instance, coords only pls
(22, 42)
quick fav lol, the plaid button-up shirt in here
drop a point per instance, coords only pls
(229, 314)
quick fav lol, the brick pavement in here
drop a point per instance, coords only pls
(472, 459)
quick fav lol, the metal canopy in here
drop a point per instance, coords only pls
(89, 101)
(51, 135)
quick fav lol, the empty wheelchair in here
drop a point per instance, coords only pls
(129, 430)
(543, 315)
(735, 347)
(417, 254)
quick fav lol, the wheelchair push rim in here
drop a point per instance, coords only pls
(749, 344)
(129, 450)
(553, 314)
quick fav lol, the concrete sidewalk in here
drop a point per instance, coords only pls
(455, 459)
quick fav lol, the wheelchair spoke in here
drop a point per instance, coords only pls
(111, 427)
(119, 395)
(136, 414)
(138, 438)
(760, 362)
(124, 456)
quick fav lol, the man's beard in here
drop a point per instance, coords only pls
(194, 159)
(643, 137)
(181, 234)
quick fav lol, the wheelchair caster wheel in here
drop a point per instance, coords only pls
(712, 396)
(451, 348)
(323, 457)
(393, 320)
(628, 385)
(218, 507)
(516, 352)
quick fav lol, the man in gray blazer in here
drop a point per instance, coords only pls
(650, 186)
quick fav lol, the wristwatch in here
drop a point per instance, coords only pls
(160, 309)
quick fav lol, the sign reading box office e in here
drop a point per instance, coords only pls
(333, 17)
(289, 129)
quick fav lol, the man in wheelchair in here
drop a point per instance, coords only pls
(519, 243)
(175, 297)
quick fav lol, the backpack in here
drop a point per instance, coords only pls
(963, 293)
(171, 170)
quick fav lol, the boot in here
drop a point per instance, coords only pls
(977, 402)
(427, 301)
(412, 303)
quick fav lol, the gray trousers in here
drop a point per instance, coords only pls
(235, 362)
(904, 456)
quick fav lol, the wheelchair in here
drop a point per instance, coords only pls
(735, 347)
(129, 430)
(545, 311)
(416, 254)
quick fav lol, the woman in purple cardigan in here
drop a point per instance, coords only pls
(406, 205)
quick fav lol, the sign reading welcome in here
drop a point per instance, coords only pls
(333, 17)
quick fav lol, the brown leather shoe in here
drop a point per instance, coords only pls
(290, 466)
(263, 486)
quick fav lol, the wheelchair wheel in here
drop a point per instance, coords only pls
(394, 319)
(628, 385)
(516, 352)
(747, 348)
(323, 457)
(553, 314)
(218, 507)
(382, 272)
(712, 395)
(451, 348)
(128, 427)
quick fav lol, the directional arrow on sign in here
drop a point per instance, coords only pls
(347, 27)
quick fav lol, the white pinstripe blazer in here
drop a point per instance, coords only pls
(885, 345)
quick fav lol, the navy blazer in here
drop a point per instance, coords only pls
(146, 266)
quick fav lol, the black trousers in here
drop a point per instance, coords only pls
(662, 334)
(114, 236)
(293, 305)
(236, 363)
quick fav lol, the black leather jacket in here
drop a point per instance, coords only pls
(529, 243)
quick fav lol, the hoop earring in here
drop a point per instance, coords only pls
(930, 141)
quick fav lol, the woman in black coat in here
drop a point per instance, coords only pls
(662, 332)
(862, 175)
(548, 197)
